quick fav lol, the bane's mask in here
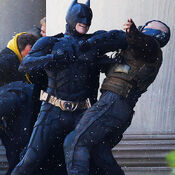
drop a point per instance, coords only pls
(160, 36)
(78, 13)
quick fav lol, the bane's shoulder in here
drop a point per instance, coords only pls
(151, 43)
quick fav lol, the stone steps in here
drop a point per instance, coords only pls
(137, 154)
(144, 154)
(3, 160)
(147, 171)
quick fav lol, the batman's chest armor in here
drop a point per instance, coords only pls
(70, 81)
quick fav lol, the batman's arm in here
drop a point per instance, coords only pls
(103, 41)
(112, 41)
(144, 45)
(39, 56)
(100, 43)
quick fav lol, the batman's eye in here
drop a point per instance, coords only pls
(81, 15)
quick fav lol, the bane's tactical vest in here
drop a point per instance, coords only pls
(132, 73)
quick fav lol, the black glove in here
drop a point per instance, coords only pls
(63, 50)
(59, 53)
(84, 46)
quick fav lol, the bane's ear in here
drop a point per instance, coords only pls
(88, 3)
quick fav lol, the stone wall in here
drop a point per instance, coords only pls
(19, 16)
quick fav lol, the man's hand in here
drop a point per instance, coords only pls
(127, 26)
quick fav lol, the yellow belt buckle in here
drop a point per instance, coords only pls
(43, 95)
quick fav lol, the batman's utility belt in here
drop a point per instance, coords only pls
(63, 104)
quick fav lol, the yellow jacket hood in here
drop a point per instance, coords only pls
(12, 45)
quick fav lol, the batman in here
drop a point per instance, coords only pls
(73, 82)
(78, 13)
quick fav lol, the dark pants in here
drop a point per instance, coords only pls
(50, 129)
(12, 153)
(100, 128)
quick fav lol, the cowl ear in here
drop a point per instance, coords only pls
(73, 3)
(88, 3)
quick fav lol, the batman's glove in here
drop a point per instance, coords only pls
(59, 53)
(84, 46)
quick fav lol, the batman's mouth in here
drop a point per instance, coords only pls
(82, 25)
(81, 28)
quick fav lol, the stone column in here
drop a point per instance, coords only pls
(19, 16)
(152, 133)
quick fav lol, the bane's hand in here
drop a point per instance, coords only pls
(127, 25)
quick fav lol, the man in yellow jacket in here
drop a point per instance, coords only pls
(12, 55)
